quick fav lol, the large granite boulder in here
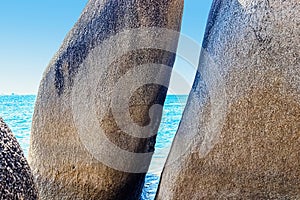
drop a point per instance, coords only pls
(240, 134)
(99, 102)
(16, 180)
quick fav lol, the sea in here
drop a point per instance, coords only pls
(17, 111)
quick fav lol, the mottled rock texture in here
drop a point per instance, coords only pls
(63, 167)
(16, 180)
(240, 134)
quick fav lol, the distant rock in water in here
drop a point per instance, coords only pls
(92, 137)
(16, 180)
(239, 137)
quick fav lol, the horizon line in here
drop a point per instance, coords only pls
(16, 94)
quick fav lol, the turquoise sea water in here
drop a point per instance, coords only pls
(17, 112)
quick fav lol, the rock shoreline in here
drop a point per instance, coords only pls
(16, 179)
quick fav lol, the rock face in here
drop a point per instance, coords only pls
(92, 133)
(16, 180)
(240, 134)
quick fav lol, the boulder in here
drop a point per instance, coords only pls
(16, 180)
(99, 102)
(239, 137)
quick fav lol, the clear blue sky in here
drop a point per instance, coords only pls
(32, 31)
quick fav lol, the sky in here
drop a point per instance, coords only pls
(32, 31)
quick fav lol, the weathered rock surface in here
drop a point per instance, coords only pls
(78, 149)
(240, 134)
(16, 180)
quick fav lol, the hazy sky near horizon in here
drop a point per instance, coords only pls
(33, 30)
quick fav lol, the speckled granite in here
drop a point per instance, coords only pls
(64, 165)
(240, 134)
(16, 180)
